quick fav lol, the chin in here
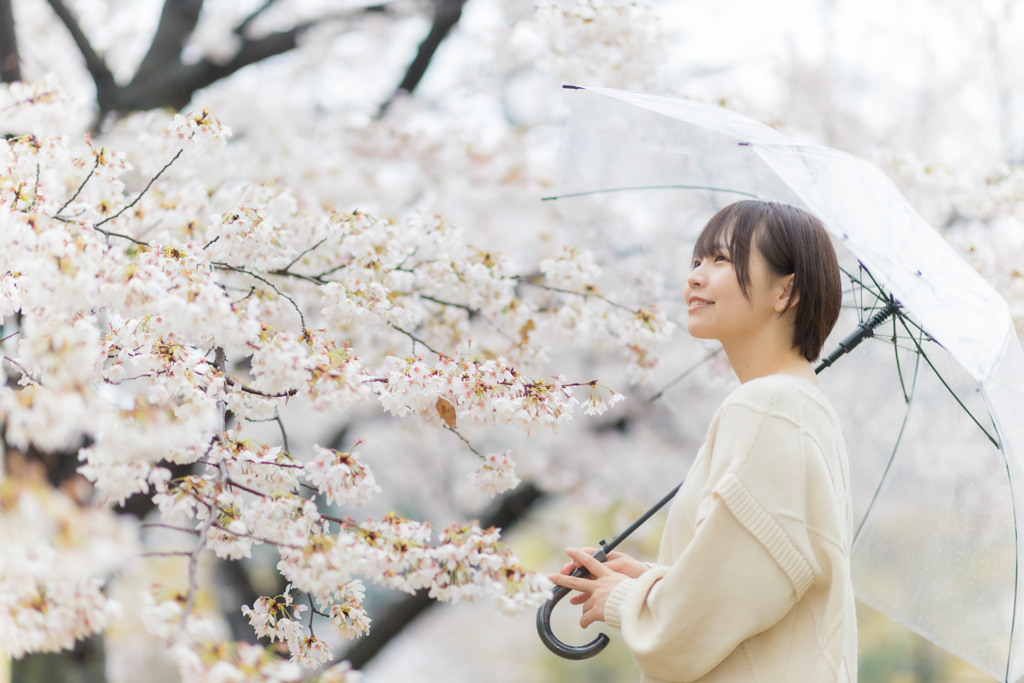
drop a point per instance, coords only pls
(697, 330)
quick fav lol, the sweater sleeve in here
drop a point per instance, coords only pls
(745, 567)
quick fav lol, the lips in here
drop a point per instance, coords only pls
(697, 302)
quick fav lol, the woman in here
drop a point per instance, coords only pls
(753, 575)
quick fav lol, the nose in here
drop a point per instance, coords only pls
(697, 279)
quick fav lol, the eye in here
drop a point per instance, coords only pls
(696, 262)
(721, 257)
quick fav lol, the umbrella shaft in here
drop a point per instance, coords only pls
(608, 547)
(863, 331)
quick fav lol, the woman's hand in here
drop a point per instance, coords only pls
(617, 562)
(594, 591)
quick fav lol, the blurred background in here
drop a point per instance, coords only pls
(454, 107)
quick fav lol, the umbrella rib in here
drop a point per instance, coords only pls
(950, 390)
(927, 336)
(899, 370)
(888, 465)
(650, 187)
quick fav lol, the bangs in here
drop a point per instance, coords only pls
(731, 230)
(715, 237)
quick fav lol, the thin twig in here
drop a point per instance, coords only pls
(9, 336)
(302, 318)
(35, 192)
(257, 538)
(348, 523)
(333, 270)
(284, 434)
(685, 374)
(144, 190)
(472, 311)
(284, 272)
(232, 482)
(23, 370)
(299, 257)
(415, 339)
(465, 441)
(252, 291)
(110, 233)
(167, 554)
(585, 295)
(211, 519)
(169, 526)
(77, 192)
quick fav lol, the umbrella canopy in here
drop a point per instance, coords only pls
(936, 429)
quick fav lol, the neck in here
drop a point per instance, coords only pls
(767, 353)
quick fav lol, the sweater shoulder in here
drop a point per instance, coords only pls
(781, 395)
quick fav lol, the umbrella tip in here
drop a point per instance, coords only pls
(572, 87)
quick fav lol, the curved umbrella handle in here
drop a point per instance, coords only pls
(544, 622)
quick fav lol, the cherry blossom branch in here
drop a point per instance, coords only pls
(344, 523)
(312, 610)
(16, 332)
(181, 553)
(169, 526)
(299, 257)
(529, 281)
(415, 339)
(37, 97)
(129, 379)
(284, 272)
(465, 441)
(284, 434)
(473, 312)
(232, 482)
(211, 519)
(256, 392)
(35, 193)
(25, 372)
(257, 538)
(685, 373)
(111, 233)
(77, 192)
(225, 266)
(469, 309)
(144, 190)
(332, 271)
(252, 290)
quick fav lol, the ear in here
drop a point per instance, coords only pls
(786, 298)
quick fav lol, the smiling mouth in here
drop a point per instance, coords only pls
(699, 303)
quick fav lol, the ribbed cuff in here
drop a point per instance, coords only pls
(614, 603)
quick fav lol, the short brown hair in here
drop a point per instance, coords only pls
(792, 241)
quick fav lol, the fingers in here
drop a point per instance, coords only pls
(595, 568)
(572, 582)
(568, 568)
(579, 599)
(589, 614)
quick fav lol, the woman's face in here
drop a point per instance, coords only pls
(717, 307)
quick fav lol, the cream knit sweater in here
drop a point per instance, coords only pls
(753, 576)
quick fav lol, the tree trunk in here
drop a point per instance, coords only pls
(10, 68)
(84, 664)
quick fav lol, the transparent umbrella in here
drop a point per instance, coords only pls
(935, 430)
